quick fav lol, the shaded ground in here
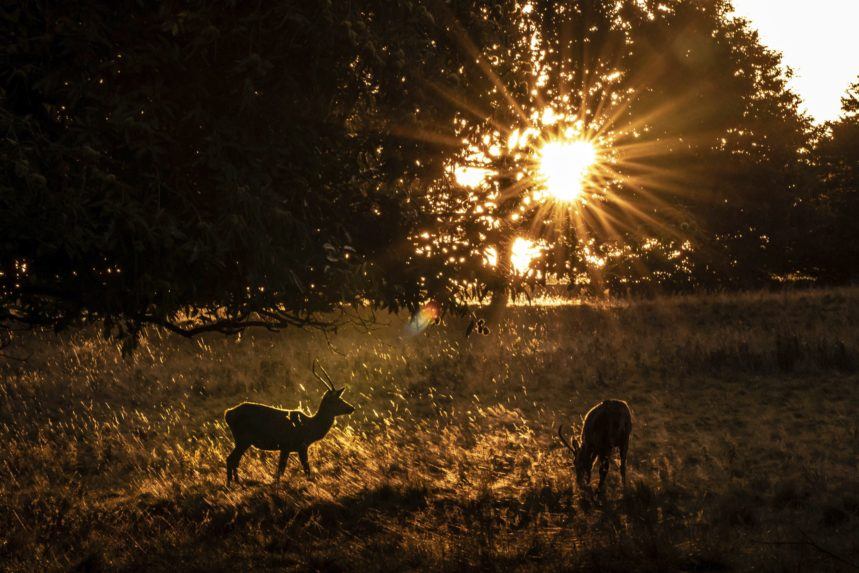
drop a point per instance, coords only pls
(743, 456)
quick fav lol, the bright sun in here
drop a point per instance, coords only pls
(564, 167)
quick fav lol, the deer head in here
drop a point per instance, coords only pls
(332, 403)
(582, 462)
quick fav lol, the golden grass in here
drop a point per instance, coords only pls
(743, 455)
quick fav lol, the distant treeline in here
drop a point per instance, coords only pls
(217, 165)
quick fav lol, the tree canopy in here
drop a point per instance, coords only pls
(830, 241)
(211, 166)
(703, 145)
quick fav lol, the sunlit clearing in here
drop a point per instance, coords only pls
(564, 167)
(470, 176)
(523, 252)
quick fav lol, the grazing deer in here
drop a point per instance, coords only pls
(607, 426)
(269, 428)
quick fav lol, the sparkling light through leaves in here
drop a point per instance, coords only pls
(523, 251)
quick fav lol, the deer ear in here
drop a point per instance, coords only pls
(340, 391)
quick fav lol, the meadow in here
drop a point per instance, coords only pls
(743, 452)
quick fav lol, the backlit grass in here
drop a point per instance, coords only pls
(743, 452)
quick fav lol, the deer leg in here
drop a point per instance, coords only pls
(624, 447)
(281, 464)
(233, 462)
(229, 468)
(604, 463)
(241, 451)
(302, 457)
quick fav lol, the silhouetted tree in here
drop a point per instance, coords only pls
(704, 145)
(209, 165)
(830, 241)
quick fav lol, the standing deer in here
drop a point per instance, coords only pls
(269, 428)
(607, 426)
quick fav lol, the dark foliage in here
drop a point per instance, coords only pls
(211, 166)
(830, 244)
(204, 165)
(710, 148)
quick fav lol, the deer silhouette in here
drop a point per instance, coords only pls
(270, 428)
(606, 426)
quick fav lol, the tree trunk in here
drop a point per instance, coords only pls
(501, 284)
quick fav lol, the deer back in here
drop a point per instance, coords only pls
(607, 425)
(265, 426)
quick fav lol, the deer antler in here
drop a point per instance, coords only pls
(328, 384)
(564, 440)
(327, 376)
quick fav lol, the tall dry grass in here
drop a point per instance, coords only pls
(743, 455)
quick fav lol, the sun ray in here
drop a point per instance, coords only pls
(464, 105)
(581, 158)
(463, 38)
(423, 134)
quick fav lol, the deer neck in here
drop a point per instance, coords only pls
(318, 425)
(588, 451)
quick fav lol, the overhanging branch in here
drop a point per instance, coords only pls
(272, 320)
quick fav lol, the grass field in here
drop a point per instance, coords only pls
(744, 450)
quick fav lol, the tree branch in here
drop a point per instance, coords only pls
(272, 321)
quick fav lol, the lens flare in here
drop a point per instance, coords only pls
(564, 168)
(427, 315)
